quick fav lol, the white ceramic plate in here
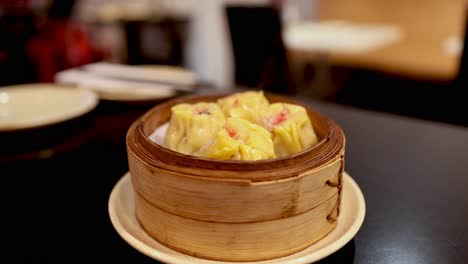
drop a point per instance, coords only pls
(33, 105)
(151, 73)
(113, 89)
(121, 212)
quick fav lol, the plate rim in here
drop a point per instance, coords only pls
(314, 256)
(92, 104)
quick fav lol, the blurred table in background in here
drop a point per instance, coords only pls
(420, 54)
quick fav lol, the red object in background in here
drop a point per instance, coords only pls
(80, 50)
(61, 44)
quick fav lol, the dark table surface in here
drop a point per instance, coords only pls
(412, 174)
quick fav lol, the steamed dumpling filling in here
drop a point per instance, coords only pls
(192, 126)
(240, 140)
(248, 105)
(291, 128)
(243, 126)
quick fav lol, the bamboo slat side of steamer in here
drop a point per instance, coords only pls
(236, 210)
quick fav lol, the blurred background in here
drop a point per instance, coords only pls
(403, 56)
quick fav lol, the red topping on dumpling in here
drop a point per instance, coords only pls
(281, 117)
(202, 112)
(231, 132)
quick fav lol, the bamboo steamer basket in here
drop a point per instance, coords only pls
(236, 210)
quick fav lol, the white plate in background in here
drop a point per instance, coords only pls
(117, 82)
(34, 105)
(148, 73)
(115, 89)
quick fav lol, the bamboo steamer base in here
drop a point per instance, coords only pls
(236, 210)
(237, 241)
(235, 201)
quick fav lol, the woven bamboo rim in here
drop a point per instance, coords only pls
(330, 147)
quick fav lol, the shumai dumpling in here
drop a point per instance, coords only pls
(291, 128)
(247, 105)
(193, 126)
(240, 140)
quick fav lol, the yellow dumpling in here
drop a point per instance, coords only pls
(240, 140)
(193, 126)
(247, 105)
(291, 128)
